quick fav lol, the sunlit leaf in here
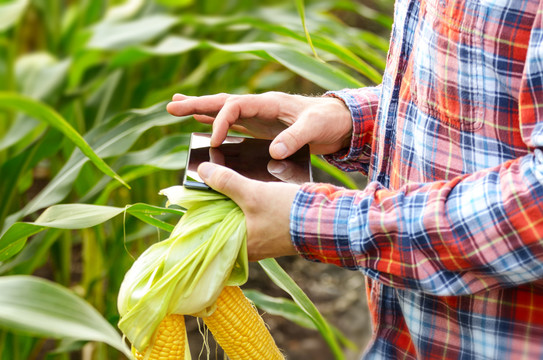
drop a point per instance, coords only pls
(289, 310)
(124, 11)
(113, 35)
(322, 74)
(11, 12)
(280, 307)
(175, 3)
(39, 307)
(107, 140)
(285, 282)
(39, 76)
(43, 112)
(74, 216)
(171, 45)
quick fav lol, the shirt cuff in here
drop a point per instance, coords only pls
(363, 104)
(319, 222)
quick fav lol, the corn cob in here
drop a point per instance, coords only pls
(169, 342)
(239, 329)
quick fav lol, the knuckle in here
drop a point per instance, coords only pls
(275, 95)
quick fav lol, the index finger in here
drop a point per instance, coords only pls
(202, 105)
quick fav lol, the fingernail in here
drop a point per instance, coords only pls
(276, 167)
(280, 149)
(206, 170)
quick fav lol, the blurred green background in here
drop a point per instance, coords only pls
(103, 71)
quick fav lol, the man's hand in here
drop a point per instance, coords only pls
(291, 120)
(266, 207)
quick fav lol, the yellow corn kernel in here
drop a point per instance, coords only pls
(169, 341)
(239, 329)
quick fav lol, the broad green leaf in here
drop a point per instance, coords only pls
(75, 216)
(39, 76)
(22, 132)
(168, 153)
(124, 11)
(112, 138)
(334, 42)
(171, 45)
(288, 309)
(285, 282)
(322, 74)
(175, 3)
(280, 306)
(43, 112)
(14, 239)
(39, 307)
(33, 255)
(114, 36)
(10, 13)
(21, 165)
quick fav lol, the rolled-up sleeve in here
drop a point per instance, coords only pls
(363, 105)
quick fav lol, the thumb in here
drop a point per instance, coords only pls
(224, 180)
(290, 140)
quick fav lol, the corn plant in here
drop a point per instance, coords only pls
(85, 142)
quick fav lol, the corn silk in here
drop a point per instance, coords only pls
(185, 273)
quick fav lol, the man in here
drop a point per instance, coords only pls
(449, 231)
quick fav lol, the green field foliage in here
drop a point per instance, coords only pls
(86, 143)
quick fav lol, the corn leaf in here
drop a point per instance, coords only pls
(168, 153)
(43, 112)
(328, 43)
(32, 256)
(112, 138)
(11, 12)
(301, 11)
(285, 282)
(38, 76)
(288, 309)
(20, 165)
(58, 314)
(322, 74)
(280, 307)
(75, 216)
(124, 11)
(117, 35)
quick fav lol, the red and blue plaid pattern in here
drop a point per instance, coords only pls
(449, 231)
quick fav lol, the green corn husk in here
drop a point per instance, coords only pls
(185, 273)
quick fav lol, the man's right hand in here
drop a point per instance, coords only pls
(290, 120)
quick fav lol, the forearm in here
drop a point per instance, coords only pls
(476, 232)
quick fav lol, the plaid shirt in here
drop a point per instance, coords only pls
(449, 231)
